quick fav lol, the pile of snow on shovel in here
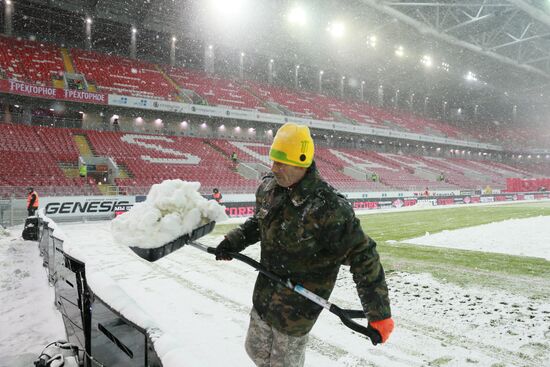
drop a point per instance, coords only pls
(172, 208)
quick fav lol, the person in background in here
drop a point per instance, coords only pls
(307, 230)
(217, 195)
(32, 202)
(426, 192)
(234, 157)
(116, 126)
(83, 170)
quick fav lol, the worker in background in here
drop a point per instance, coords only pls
(217, 195)
(32, 202)
(83, 170)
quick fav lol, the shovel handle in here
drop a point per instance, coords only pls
(345, 316)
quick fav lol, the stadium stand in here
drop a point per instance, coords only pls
(40, 63)
(34, 156)
(215, 90)
(31, 157)
(119, 75)
(29, 61)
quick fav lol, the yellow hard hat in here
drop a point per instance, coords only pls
(292, 145)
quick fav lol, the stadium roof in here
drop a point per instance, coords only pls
(502, 44)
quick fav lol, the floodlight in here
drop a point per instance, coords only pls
(321, 72)
(297, 15)
(427, 61)
(227, 7)
(470, 77)
(237, 128)
(336, 29)
(158, 122)
(399, 52)
(8, 2)
(89, 20)
(174, 39)
(134, 30)
(242, 54)
(222, 127)
(210, 47)
(271, 61)
(371, 41)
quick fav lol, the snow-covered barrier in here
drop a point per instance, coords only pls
(105, 337)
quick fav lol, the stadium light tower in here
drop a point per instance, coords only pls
(133, 42)
(380, 95)
(396, 99)
(88, 26)
(241, 65)
(8, 16)
(209, 55)
(173, 51)
(321, 72)
(426, 106)
(296, 69)
(270, 71)
(342, 83)
(363, 90)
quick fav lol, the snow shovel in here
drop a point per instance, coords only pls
(345, 316)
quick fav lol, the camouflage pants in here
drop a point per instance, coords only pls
(268, 347)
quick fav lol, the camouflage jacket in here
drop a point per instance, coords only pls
(306, 233)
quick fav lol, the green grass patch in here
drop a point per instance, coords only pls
(458, 266)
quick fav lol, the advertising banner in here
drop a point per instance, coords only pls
(39, 91)
(85, 206)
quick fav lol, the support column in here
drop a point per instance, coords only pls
(173, 51)
(8, 17)
(133, 47)
(209, 56)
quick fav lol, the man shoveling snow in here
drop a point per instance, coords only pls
(173, 208)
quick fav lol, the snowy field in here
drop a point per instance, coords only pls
(200, 305)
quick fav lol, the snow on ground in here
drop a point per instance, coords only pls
(198, 305)
(522, 237)
(28, 317)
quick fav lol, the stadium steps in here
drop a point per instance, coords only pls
(70, 169)
(83, 145)
(69, 68)
(123, 171)
(180, 97)
(269, 106)
(217, 149)
(59, 83)
(108, 189)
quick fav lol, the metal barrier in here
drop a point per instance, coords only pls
(104, 337)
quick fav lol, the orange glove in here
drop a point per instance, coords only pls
(384, 327)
